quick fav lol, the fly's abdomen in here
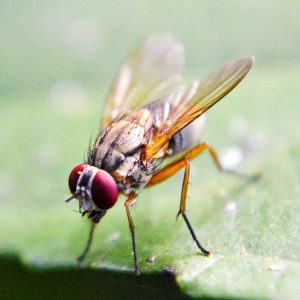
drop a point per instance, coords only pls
(187, 137)
(161, 110)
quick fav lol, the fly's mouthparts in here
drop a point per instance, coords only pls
(72, 197)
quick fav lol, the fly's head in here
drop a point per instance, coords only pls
(95, 189)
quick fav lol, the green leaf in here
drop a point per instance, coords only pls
(252, 229)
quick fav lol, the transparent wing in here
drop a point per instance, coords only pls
(151, 72)
(193, 101)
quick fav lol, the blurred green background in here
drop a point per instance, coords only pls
(57, 62)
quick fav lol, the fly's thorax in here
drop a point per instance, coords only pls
(117, 149)
(132, 174)
(125, 168)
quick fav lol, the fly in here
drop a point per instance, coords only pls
(150, 116)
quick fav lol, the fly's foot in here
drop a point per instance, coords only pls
(80, 259)
(137, 272)
(205, 252)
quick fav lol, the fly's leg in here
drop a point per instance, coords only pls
(184, 162)
(183, 204)
(87, 248)
(170, 170)
(132, 198)
(219, 166)
(174, 167)
(177, 165)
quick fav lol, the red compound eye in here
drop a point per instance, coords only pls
(74, 175)
(104, 190)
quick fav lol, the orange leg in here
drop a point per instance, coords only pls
(132, 198)
(183, 204)
(184, 162)
(174, 167)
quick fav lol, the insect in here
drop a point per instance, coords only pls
(150, 116)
